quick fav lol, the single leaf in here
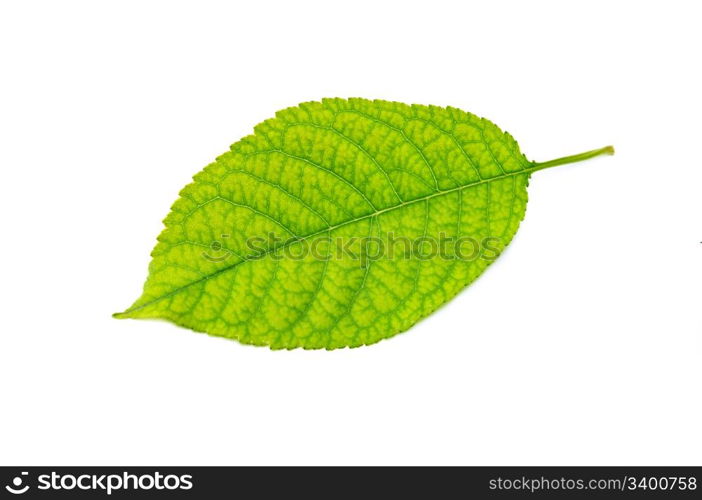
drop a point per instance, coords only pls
(324, 229)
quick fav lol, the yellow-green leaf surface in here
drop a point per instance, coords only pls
(285, 240)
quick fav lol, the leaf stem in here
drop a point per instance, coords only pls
(607, 150)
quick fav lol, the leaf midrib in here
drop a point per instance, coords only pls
(532, 168)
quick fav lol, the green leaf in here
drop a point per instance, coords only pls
(338, 223)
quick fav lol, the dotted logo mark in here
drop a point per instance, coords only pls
(16, 488)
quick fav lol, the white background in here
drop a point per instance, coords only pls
(581, 345)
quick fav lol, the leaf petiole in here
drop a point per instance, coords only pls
(607, 150)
